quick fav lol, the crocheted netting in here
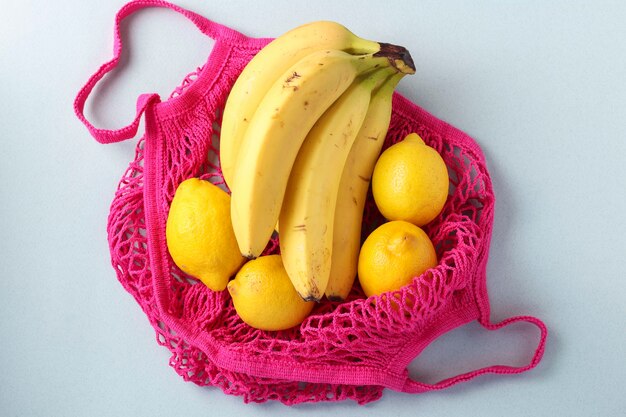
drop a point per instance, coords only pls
(378, 333)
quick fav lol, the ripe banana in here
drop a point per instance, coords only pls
(307, 216)
(265, 68)
(284, 117)
(353, 188)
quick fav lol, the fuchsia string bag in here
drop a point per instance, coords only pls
(350, 350)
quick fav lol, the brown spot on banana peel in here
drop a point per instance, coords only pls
(292, 77)
(289, 79)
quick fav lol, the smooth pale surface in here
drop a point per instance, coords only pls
(540, 86)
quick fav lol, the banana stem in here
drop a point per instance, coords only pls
(399, 57)
(374, 78)
(390, 83)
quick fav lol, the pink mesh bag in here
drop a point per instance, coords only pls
(350, 350)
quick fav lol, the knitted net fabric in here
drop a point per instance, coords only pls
(337, 337)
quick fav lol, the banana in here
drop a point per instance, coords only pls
(307, 216)
(353, 188)
(284, 116)
(265, 68)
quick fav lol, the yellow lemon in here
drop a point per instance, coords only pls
(264, 296)
(410, 181)
(200, 235)
(392, 255)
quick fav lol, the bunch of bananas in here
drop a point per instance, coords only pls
(301, 132)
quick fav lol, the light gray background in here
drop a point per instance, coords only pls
(540, 86)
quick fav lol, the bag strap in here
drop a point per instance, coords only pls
(213, 30)
(412, 386)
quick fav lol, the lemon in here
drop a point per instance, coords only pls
(410, 182)
(392, 255)
(264, 296)
(200, 235)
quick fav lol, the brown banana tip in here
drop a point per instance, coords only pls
(311, 298)
(398, 56)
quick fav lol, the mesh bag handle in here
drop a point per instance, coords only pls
(213, 30)
(413, 386)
